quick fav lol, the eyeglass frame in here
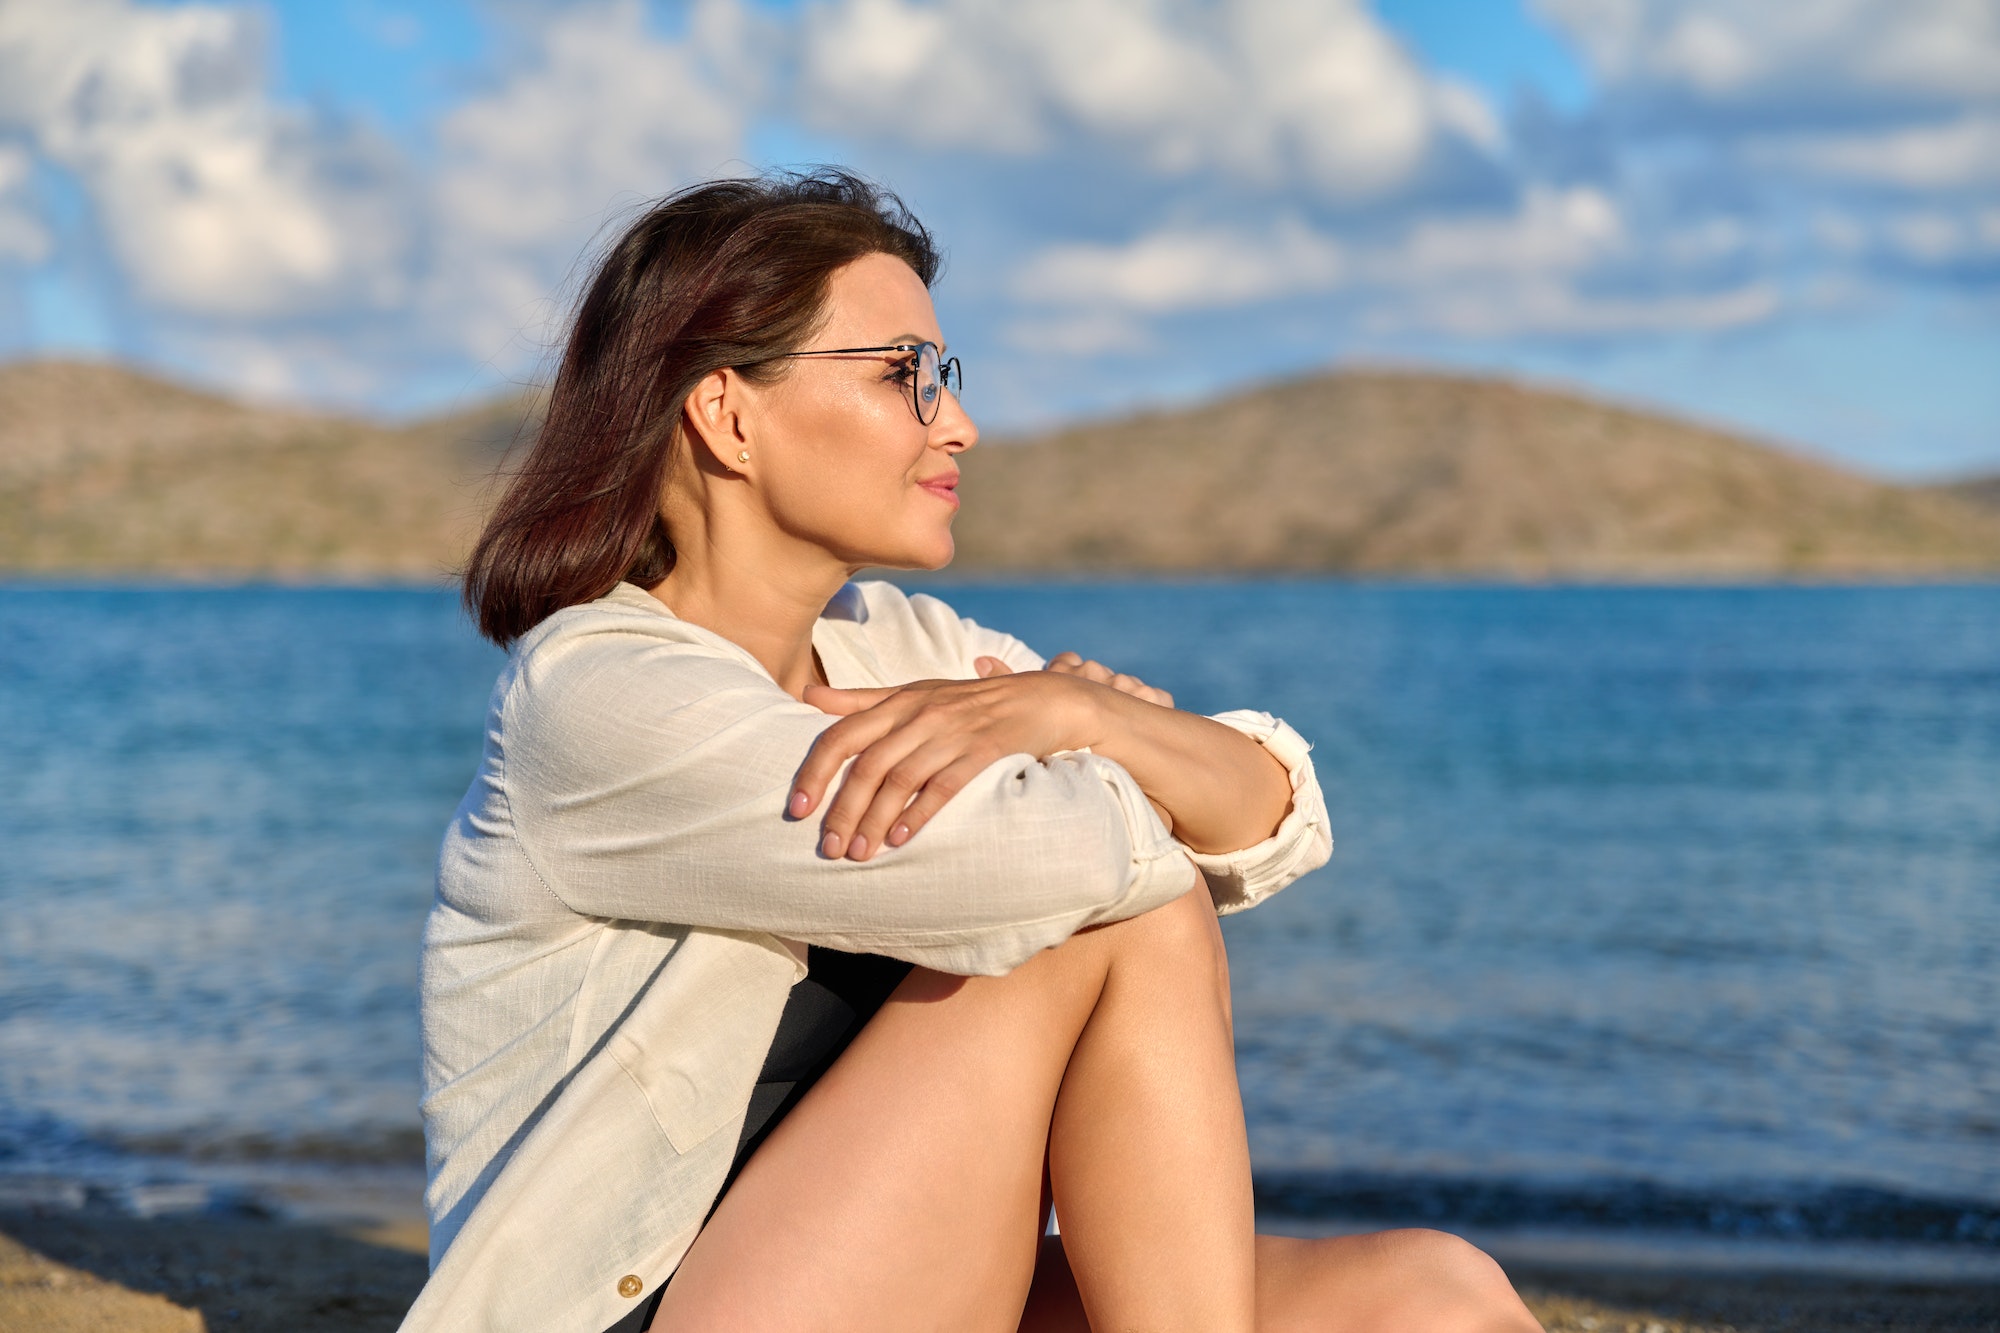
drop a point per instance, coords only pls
(948, 369)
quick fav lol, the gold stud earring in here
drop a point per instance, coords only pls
(742, 455)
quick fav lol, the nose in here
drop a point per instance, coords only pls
(952, 430)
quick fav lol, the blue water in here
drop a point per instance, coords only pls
(1669, 907)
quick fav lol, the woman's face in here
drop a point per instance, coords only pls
(839, 457)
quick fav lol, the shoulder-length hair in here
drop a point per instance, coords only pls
(725, 274)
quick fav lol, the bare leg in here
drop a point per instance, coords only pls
(1411, 1281)
(905, 1190)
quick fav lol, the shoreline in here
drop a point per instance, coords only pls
(382, 1196)
(63, 1270)
(342, 1250)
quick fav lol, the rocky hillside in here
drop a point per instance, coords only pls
(106, 472)
(1405, 472)
(1984, 491)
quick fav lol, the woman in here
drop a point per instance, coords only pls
(797, 940)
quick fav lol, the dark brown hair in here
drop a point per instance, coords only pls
(729, 273)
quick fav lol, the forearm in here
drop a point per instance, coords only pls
(1219, 789)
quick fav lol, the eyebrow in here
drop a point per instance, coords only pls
(916, 338)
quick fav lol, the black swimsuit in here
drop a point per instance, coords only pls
(835, 1000)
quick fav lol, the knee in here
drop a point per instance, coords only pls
(1459, 1285)
(1184, 938)
(1185, 928)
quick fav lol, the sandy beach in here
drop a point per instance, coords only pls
(66, 1271)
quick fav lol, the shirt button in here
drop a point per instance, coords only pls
(629, 1286)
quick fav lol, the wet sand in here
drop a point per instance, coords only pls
(65, 1270)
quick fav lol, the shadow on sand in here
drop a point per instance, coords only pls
(63, 1271)
(78, 1270)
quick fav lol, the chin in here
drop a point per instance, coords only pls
(942, 549)
(934, 553)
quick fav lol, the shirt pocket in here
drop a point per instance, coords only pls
(695, 1044)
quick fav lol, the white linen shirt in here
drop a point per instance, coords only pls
(623, 905)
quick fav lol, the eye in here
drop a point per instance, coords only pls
(903, 371)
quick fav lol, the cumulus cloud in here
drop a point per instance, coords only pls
(1957, 153)
(1118, 175)
(1557, 263)
(288, 252)
(1267, 91)
(1184, 269)
(1897, 94)
(1557, 310)
(602, 112)
(1723, 52)
(1843, 145)
(1553, 230)
(216, 202)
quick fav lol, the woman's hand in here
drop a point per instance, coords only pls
(1214, 788)
(1075, 664)
(916, 746)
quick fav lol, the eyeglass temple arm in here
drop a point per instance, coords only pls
(842, 351)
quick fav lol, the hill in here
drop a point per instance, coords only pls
(1983, 491)
(107, 472)
(1418, 473)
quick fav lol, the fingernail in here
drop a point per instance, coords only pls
(800, 802)
(858, 849)
(830, 847)
(899, 834)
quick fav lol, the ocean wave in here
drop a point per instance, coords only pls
(1774, 1211)
(33, 1140)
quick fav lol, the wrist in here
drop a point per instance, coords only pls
(1090, 722)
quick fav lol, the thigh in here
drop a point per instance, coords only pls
(904, 1190)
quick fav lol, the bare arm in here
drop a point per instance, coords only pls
(1209, 782)
(916, 745)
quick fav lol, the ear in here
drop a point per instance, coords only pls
(717, 415)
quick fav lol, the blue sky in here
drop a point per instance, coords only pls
(1784, 219)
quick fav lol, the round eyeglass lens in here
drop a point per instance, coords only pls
(929, 383)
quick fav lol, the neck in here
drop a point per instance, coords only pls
(767, 605)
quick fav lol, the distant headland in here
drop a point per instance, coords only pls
(105, 472)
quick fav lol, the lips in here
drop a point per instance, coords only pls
(944, 487)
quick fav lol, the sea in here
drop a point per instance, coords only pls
(1657, 915)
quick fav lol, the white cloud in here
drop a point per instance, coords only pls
(1244, 154)
(1846, 144)
(1728, 51)
(1555, 309)
(285, 253)
(1184, 269)
(909, 71)
(1080, 333)
(1266, 91)
(1560, 263)
(604, 113)
(216, 202)
(23, 238)
(1928, 237)
(1889, 94)
(1552, 231)
(1949, 154)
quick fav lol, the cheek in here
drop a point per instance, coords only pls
(847, 462)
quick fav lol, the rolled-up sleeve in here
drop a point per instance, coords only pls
(1302, 841)
(647, 779)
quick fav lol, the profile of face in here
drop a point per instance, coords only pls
(838, 458)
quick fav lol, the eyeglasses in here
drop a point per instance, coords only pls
(930, 374)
